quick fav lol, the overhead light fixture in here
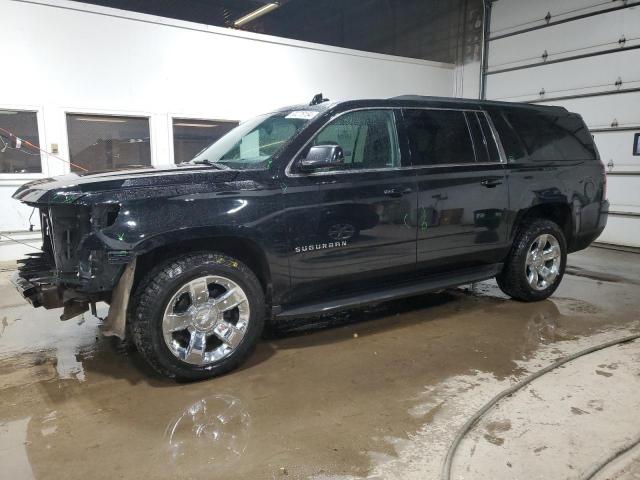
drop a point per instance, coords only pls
(100, 119)
(200, 125)
(256, 14)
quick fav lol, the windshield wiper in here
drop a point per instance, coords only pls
(208, 162)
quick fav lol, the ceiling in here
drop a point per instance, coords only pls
(440, 30)
(211, 12)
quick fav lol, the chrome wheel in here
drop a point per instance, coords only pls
(205, 320)
(542, 266)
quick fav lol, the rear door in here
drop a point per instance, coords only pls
(462, 188)
(352, 227)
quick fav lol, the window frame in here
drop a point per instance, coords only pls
(16, 179)
(149, 116)
(177, 116)
(296, 158)
(477, 143)
(402, 137)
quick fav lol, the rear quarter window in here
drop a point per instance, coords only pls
(550, 137)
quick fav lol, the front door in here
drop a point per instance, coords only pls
(353, 226)
(463, 196)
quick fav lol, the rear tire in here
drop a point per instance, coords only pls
(197, 316)
(536, 264)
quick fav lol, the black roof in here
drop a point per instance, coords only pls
(470, 103)
(407, 101)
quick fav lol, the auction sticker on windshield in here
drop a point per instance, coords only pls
(302, 114)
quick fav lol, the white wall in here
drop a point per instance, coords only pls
(60, 56)
(467, 80)
(594, 74)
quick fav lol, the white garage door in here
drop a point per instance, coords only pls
(583, 55)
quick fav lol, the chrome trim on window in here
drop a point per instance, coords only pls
(496, 138)
(471, 137)
(288, 172)
(448, 165)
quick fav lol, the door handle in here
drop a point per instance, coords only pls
(396, 192)
(490, 182)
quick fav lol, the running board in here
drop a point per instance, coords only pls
(434, 282)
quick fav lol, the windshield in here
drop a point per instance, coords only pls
(252, 143)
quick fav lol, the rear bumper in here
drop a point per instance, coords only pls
(592, 226)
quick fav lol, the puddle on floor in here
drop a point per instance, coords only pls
(351, 395)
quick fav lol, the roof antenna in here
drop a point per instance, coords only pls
(318, 99)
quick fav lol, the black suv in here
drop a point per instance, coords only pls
(312, 209)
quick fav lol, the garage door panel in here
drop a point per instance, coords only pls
(623, 193)
(611, 110)
(510, 16)
(602, 111)
(587, 75)
(621, 230)
(568, 39)
(617, 147)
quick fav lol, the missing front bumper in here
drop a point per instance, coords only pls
(41, 295)
(34, 280)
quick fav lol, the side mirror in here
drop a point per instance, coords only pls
(322, 156)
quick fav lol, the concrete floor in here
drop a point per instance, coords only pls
(376, 393)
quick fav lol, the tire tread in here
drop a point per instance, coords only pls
(512, 280)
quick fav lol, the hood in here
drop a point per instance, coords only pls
(71, 187)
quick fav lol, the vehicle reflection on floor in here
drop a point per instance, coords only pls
(215, 427)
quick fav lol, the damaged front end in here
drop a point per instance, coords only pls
(76, 267)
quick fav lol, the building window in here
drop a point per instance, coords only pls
(17, 155)
(105, 142)
(192, 136)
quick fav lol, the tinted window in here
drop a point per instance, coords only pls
(553, 137)
(367, 137)
(438, 137)
(99, 142)
(16, 155)
(190, 137)
(513, 148)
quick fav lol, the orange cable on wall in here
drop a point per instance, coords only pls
(28, 143)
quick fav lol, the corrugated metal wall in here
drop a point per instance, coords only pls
(585, 56)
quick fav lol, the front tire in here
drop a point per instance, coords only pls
(197, 316)
(537, 262)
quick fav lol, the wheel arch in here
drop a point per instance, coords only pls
(241, 247)
(559, 213)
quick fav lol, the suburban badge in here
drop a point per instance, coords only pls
(320, 246)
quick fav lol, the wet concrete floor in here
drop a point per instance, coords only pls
(371, 393)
